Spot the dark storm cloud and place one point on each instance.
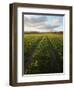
(35, 21)
(40, 19)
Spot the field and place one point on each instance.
(43, 53)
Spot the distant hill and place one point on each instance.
(60, 32)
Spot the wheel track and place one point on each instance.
(54, 52)
(31, 55)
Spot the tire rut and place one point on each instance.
(32, 52)
(54, 62)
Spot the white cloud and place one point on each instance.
(55, 22)
(40, 23)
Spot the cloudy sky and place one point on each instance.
(43, 23)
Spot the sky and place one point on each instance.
(43, 23)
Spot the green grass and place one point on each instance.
(51, 35)
(43, 53)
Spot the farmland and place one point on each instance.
(43, 53)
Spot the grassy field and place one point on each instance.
(43, 53)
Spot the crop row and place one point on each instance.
(30, 44)
(43, 54)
